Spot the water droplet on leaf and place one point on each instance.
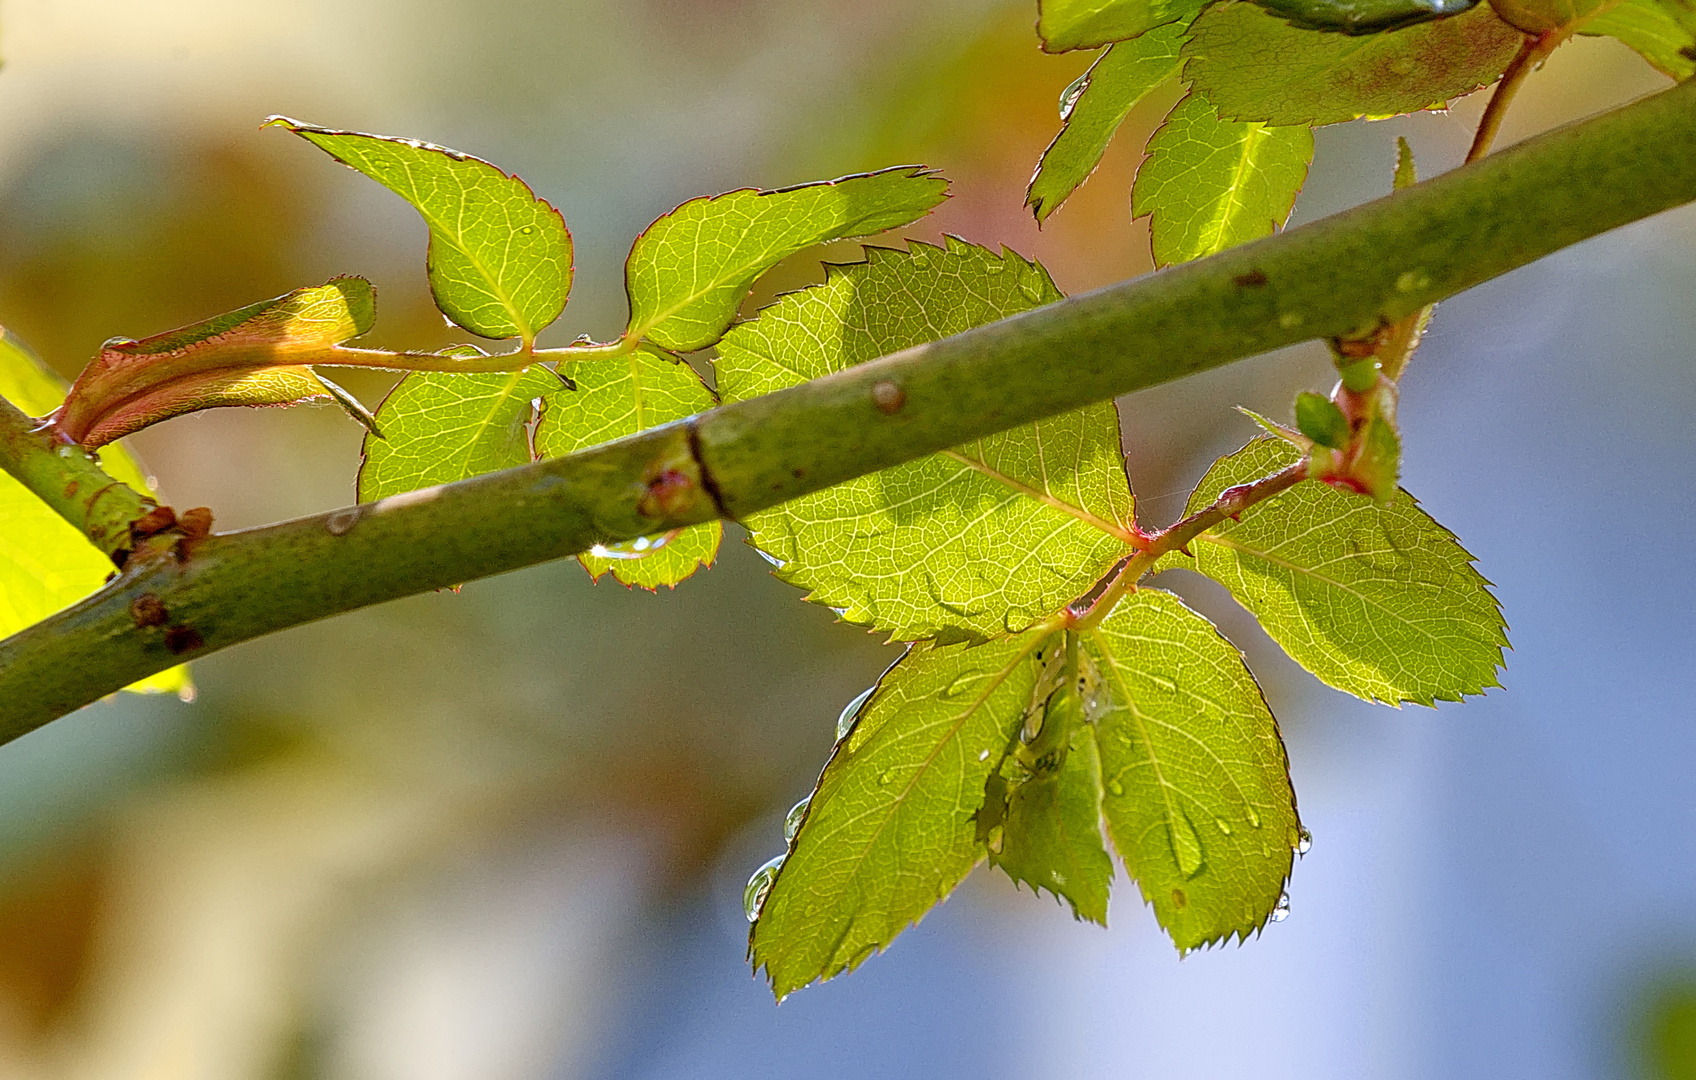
(1224, 826)
(1163, 682)
(1282, 911)
(1304, 843)
(1186, 845)
(754, 895)
(1115, 787)
(845, 722)
(1069, 96)
(792, 820)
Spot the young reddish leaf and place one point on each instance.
(253, 356)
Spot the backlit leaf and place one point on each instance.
(1331, 78)
(618, 396)
(1090, 24)
(500, 258)
(46, 564)
(1662, 31)
(1381, 602)
(1363, 16)
(1209, 184)
(985, 538)
(441, 427)
(1095, 106)
(1197, 789)
(690, 271)
(889, 831)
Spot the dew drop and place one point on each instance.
(1224, 826)
(792, 820)
(754, 895)
(1282, 911)
(528, 229)
(960, 685)
(1305, 843)
(850, 712)
(886, 776)
(1069, 96)
(1115, 787)
(768, 557)
(1163, 682)
(1253, 817)
(1179, 899)
(997, 839)
(1186, 845)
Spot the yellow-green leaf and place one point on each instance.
(889, 831)
(1197, 789)
(1210, 184)
(1089, 24)
(690, 270)
(1378, 601)
(500, 258)
(1093, 108)
(982, 539)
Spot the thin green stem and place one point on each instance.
(1317, 281)
(1230, 504)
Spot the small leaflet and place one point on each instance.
(500, 258)
(1378, 601)
(1197, 795)
(1210, 184)
(690, 270)
(891, 829)
(439, 427)
(1094, 107)
(615, 397)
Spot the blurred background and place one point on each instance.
(503, 834)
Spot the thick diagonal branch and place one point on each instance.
(1324, 280)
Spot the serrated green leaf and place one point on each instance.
(441, 427)
(1663, 32)
(1051, 838)
(1094, 107)
(889, 830)
(615, 397)
(500, 258)
(690, 270)
(1198, 799)
(1331, 78)
(1547, 16)
(1209, 184)
(46, 564)
(1380, 602)
(985, 538)
(1363, 16)
(1064, 25)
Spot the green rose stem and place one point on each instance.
(1331, 278)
